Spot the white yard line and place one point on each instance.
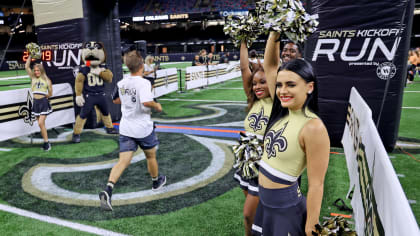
(416, 108)
(197, 100)
(5, 150)
(57, 221)
(411, 91)
(15, 77)
(228, 88)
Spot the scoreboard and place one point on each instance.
(45, 56)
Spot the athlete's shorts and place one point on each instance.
(250, 185)
(41, 107)
(280, 212)
(131, 144)
(94, 99)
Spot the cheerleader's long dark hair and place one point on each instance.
(252, 98)
(306, 72)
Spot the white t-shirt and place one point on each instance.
(136, 121)
(148, 68)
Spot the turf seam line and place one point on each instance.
(53, 220)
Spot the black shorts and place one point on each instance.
(130, 144)
(90, 101)
(41, 107)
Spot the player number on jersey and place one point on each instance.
(94, 80)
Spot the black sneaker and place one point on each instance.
(111, 131)
(157, 184)
(46, 146)
(76, 138)
(105, 201)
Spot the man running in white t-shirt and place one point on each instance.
(136, 127)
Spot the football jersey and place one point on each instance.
(93, 83)
(283, 156)
(257, 119)
(136, 119)
(39, 86)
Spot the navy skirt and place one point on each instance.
(280, 212)
(41, 107)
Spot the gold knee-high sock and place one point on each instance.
(78, 126)
(99, 115)
(107, 121)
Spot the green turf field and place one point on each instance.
(214, 209)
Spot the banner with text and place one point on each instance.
(16, 117)
(166, 81)
(376, 185)
(199, 76)
(368, 52)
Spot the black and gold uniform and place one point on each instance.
(283, 162)
(41, 106)
(94, 92)
(255, 124)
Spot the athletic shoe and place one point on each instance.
(46, 146)
(157, 184)
(111, 131)
(105, 201)
(76, 138)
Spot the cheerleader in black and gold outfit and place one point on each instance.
(295, 139)
(41, 91)
(257, 89)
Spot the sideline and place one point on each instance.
(198, 100)
(57, 221)
(15, 77)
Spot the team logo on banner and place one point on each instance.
(197, 75)
(386, 70)
(26, 110)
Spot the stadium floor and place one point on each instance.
(190, 130)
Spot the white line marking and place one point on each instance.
(417, 108)
(53, 220)
(228, 88)
(411, 91)
(15, 77)
(42, 181)
(5, 150)
(412, 201)
(401, 175)
(401, 144)
(197, 100)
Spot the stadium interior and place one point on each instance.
(165, 28)
(193, 25)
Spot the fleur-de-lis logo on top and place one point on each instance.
(276, 139)
(256, 120)
(26, 110)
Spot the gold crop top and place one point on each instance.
(39, 86)
(283, 156)
(257, 119)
